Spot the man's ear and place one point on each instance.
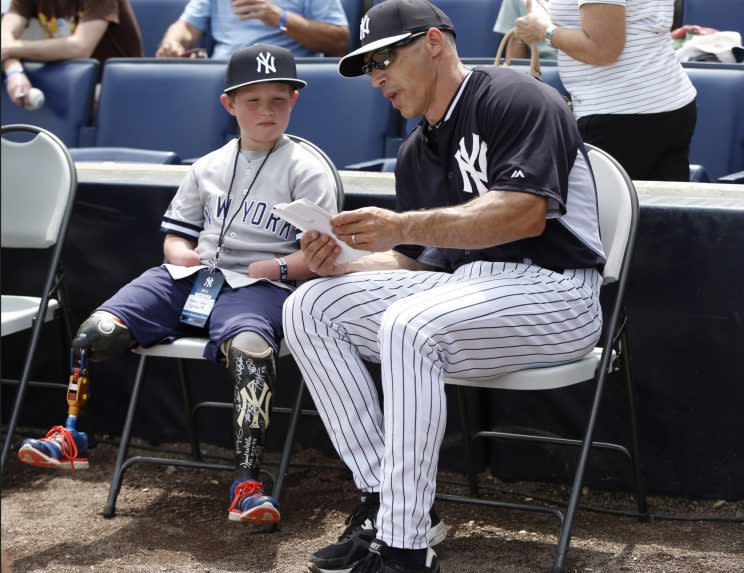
(228, 103)
(435, 40)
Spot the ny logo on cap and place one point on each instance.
(364, 27)
(267, 61)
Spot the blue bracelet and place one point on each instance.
(283, 21)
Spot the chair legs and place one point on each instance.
(467, 442)
(122, 463)
(189, 411)
(23, 385)
(119, 469)
(566, 518)
(635, 451)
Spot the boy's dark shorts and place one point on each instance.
(151, 306)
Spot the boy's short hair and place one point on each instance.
(261, 63)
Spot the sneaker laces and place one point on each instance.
(361, 513)
(62, 438)
(370, 563)
(246, 488)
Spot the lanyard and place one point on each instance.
(224, 229)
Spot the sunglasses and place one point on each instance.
(383, 57)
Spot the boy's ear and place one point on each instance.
(293, 99)
(228, 103)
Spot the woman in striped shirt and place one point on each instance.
(630, 95)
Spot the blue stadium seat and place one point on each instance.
(68, 86)
(353, 9)
(154, 17)
(719, 14)
(718, 141)
(346, 117)
(163, 105)
(473, 20)
(124, 155)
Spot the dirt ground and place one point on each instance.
(175, 520)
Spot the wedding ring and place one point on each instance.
(353, 238)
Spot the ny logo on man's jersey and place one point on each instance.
(467, 163)
(364, 27)
(267, 61)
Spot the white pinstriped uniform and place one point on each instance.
(483, 318)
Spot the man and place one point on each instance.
(491, 264)
(84, 29)
(306, 27)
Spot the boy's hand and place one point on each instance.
(320, 253)
(184, 258)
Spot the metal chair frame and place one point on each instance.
(192, 348)
(612, 356)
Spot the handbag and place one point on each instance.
(505, 51)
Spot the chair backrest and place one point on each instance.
(154, 17)
(68, 87)
(720, 14)
(618, 210)
(322, 156)
(346, 117)
(38, 187)
(163, 105)
(124, 155)
(718, 141)
(353, 9)
(473, 21)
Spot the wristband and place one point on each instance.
(13, 72)
(282, 269)
(283, 21)
(549, 31)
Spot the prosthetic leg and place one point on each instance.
(99, 338)
(252, 366)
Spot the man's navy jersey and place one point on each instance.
(504, 130)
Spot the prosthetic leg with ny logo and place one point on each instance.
(253, 369)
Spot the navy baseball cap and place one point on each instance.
(390, 22)
(261, 63)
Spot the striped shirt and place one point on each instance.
(646, 78)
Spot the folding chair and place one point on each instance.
(618, 219)
(193, 349)
(38, 190)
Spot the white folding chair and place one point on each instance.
(193, 349)
(38, 189)
(618, 218)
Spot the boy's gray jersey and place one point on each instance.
(201, 204)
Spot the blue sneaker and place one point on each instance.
(61, 448)
(250, 505)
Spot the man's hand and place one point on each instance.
(320, 253)
(18, 86)
(170, 49)
(184, 258)
(370, 228)
(264, 10)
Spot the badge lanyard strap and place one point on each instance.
(224, 229)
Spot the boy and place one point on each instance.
(218, 229)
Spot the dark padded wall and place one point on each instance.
(686, 330)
